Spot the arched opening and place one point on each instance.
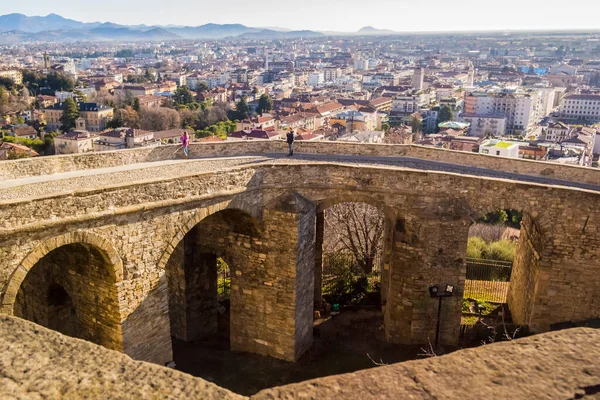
(72, 290)
(205, 284)
(502, 258)
(61, 311)
(352, 249)
(351, 255)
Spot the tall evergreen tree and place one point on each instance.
(242, 109)
(265, 103)
(136, 104)
(446, 114)
(70, 114)
(183, 96)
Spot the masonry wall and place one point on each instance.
(13, 169)
(429, 246)
(525, 272)
(92, 313)
(140, 226)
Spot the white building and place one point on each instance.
(484, 125)
(330, 74)
(316, 79)
(499, 148)
(557, 132)
(522, 109)
(410, 103)
(580, 107)
(62, 95)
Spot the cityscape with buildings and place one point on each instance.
(192, 208)
(370, 87)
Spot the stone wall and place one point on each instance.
(89, 309)
(525, 273)
(557, 365)
(13, 169)
(139, 227)
(429, 247)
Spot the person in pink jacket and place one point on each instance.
(185, 141)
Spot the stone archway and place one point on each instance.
(69, 283)
(363, 202)
(191, 270)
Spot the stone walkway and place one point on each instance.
(67, 182)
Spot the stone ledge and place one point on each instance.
(556, 365)
(38, 363)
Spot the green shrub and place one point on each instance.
(504, 250)
(475, 247)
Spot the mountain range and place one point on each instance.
(15, 28)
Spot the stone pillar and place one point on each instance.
(429, 248)
(319, 233)
(193, 303)
(272, 301)
(525, 273)
(388, 238)
(146, 327)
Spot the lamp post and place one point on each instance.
(435, 292)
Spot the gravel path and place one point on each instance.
(125, 174)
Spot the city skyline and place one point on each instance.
(339, 16)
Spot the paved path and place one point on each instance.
(89, 179)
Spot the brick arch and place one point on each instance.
(101, 243)
(199, 215)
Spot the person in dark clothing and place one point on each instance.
(290, 141)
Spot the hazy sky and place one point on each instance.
(335, 15)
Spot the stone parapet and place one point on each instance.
(14, 169)
(36, 362)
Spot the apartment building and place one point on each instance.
(411, 103)
(522, 109)
(484, 125)
(580, 107)
(95, 116)
(330, 74)
(14, 74)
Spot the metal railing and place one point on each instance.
(487, 280)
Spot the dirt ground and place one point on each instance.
(350, 341)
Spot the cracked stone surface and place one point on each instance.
(37, 363)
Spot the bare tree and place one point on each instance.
(489, 233)
(356, 228)
(103, 96)
(159, 119)
(399, 135)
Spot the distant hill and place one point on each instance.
(211, 31)
(369, 30)
(124, 33)
(15, 28)
(51, 22)
(272, 34)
